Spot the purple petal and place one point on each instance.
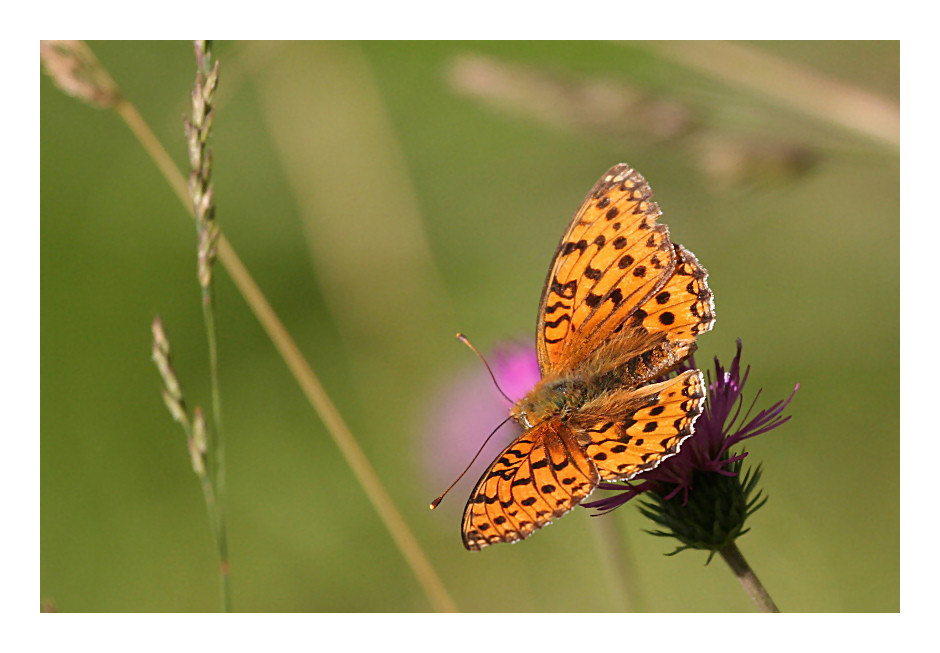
(465, 409)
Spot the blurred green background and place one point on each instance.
(387, 195)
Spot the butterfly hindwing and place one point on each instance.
(684, 306)
(626, 431)
(540, 476)
(611, 260)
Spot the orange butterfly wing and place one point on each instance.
(617, 286)
(631, 431)
(611, 260)
(683, 307)
(542, 475)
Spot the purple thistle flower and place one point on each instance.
(469, 407)
(720, 427)
(516, 367)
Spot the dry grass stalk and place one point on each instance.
(303, 373)
(76, 71)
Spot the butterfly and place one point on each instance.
(621, 308)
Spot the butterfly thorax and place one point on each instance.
(552, 398)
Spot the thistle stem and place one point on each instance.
(748, 578)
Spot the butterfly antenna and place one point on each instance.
(462, 338)
(437, 501)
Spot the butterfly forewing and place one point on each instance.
(611, 260)
(540, 476)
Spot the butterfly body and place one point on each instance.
(607, 370)
(620, 310)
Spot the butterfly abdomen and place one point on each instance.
(615, 366)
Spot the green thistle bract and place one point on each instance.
(715, 512)
(700, 496)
